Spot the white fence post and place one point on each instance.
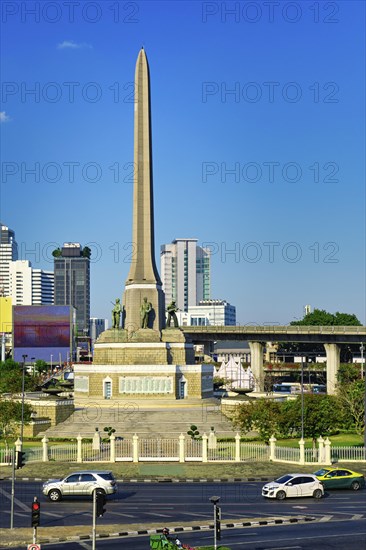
(45, 449)
(18, 445)
(272, 448)
(237, 448)
(79, 457)
(112, 440)
(328, 457)
(181, 447)
(135, 448)
(321, 457)
(204, 447)
(302, 451)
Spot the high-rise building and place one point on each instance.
(20, 282)
(8, 253)
(96, 327)
(28, 286)
(72, 282)
(185, 272)
(42, 287)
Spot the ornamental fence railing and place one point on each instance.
(184, 449)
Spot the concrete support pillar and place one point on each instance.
(79, 458)
(112, 440)
(204, 447)
(333, 361)
(328, 458)
(272, 448)
(256, 364)
(182, 440)
(45, 449)
(237, 448)
(321, 457)
(302, 451)
(135, 448)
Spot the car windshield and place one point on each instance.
(283, 479)
(321, 472)
(108, 476)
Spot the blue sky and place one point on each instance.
(258, 143)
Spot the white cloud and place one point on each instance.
(71, 45)
(4, 117)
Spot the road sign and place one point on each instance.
(34, 546)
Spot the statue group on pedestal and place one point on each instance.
(145, 309)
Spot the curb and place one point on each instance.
(180, 529)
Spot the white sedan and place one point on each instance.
(294, 485)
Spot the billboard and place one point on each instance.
(6, 322)
(43, 332)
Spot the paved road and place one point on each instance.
(175, 502)
(335, 535)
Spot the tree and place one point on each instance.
(261, 415)
(193, 432)
(351, 396)
(86, 252)
(57, 253)
(11, 378)
(321, 416)
(109, 430)
(352, 403)
(10, 416)
(320, 317)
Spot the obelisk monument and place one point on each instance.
(142, 359)
(143, 280)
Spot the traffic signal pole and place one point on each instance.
(12, 488)
(94, 518)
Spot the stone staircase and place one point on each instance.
(148, 418)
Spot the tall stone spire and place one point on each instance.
(143, 279)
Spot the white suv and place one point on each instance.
(294, 485)
(80, 484)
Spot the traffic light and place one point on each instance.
(100, 497)
(20, 459)
(218, 522)
(36, 512)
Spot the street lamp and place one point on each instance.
(302, 397)
(23, 384)
(362, 347)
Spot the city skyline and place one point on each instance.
(258, 147)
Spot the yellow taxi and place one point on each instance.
(340, 478)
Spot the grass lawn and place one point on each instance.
(154, 470)
(339, 440)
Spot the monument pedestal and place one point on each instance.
(142, 365)
(113, 383)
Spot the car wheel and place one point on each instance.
(317, 493)
(281, 495)
(54, 495)
(356, 485)
(99, 491)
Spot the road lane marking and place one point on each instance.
(158, 515)
(16, 500)
(325, 518)
(121, 514)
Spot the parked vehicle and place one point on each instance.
(340, 478)
(80, 484)
(294, 485)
